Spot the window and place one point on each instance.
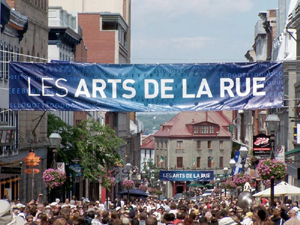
(166, 144)
(198, 144)
(179, 144)
(157, 144)
(221, 162)
(109, 25)
(179, 162)
(209, 161)
(221, 144)
(209, 145)
(198, 162)
(205, 129)
(161, 144)
(196, 130)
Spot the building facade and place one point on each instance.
(193, 141)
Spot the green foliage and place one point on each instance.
(96, 146)
(150, 168)
(153, 121)
(93, 144)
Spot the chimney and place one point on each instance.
(193, 121)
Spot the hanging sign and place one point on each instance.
(186, 175)
(261, 145)
(179, 87)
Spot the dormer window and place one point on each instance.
(198, 129)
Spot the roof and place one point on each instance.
(179, 124)
(148, 142)
(296, 150)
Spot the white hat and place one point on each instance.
(296, 209)
(227, 221)
(53, 204)
(6, 216)
(118, 208)
(65, 205)
(57, 200)
(20, 205)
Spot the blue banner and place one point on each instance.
(186, 175)
(111, 87)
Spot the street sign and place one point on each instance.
(261, 145)
(11, 170)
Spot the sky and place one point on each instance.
(194, 31)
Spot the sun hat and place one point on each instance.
(227, 221)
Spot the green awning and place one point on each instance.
(195, 185)
(296, 150)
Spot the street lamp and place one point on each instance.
(272, 122)
(225, 170)
(243, 153)
(232, 164)
(55, 140)
(128, 167)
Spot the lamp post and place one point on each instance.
(272, 122)
(128, 167)
(232, 165)
(243, 153)
(55, 140)
(225, 170)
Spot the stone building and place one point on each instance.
(193, 141)
(32, 126)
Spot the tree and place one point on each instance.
(150, 169)
(93, 144)
(96, 147)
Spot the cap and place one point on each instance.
(196, 212)
(118, 208)
(248, 214)
(227, 221)
(20, 205)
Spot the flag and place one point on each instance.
(238, 163)
(162, 158)
(212, 161)
(194, 162)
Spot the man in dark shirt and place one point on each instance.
(276, 218)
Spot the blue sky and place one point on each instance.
(194, 31)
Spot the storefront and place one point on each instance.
(178, 180)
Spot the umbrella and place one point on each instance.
(280, 189)
(134, 192)
(208, 185)
(195, 185)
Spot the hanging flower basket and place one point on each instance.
(271, 169)
(54, 178)
(158, 192)
(128, 184)
(229, 184)
(217, 190)
(240, 179)
(143, 188)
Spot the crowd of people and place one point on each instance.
(149, 211)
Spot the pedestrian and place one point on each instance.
(293, 220)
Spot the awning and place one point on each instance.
(294, 151)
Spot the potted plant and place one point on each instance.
(240, 179)
(143, 188)
(54, 178)
(271, 169)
